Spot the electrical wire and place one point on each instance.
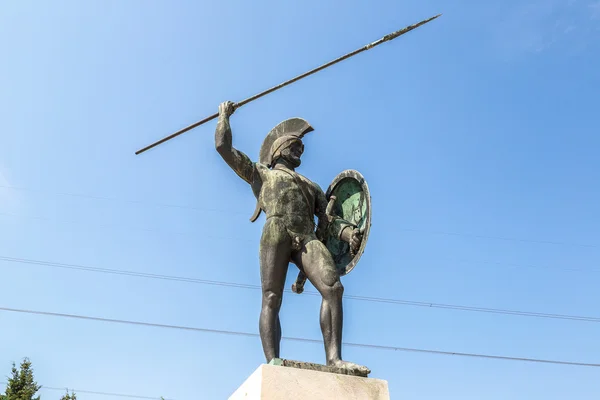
(87, 196)
(308, 292)
(133, 228)
(297, 339)
(498, 238)
(238, 239)
(479, 236)
(77, 391)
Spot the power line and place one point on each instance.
(297, 339)
(77, 391)
(498, 238)
(312, 293)
(134, 228)
(510, 264)
(165, 205)
(230, 238)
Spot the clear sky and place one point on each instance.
(477, 133)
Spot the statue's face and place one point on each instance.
(293, 153)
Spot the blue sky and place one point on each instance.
(477, 134)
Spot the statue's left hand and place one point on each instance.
(355, 241)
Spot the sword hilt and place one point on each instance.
(298, 286)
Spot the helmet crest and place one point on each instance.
(290, 128)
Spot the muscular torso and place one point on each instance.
(276, 190)
(280, 195)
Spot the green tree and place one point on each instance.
(21, 385)
(68, 396)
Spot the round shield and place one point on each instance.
(352, 204)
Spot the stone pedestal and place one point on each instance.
(274, 382)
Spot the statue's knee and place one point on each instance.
(335, 291)
(330, 278)
(271, 300)
(338, 289)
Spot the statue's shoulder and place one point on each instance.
(262, 169)
(310, 183)
(261, 165)
(316, 186)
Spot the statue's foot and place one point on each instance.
(351, 367)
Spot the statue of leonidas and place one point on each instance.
(323, 252)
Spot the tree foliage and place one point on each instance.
(21, 384)
(68, 396)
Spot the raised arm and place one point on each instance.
(238, 161)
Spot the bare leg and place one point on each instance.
(319, 267)
(324, 277)
(275, 249)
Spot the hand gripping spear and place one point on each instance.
(386, 38)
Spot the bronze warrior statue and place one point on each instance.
(322, 253)
(290, 202)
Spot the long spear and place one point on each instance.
(386, 38)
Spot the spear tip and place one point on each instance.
(434, 17)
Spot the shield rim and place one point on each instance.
(352, 173)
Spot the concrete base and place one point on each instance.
(270, 382)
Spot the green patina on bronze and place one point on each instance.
(352, 204)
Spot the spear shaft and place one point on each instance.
(384, 39)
